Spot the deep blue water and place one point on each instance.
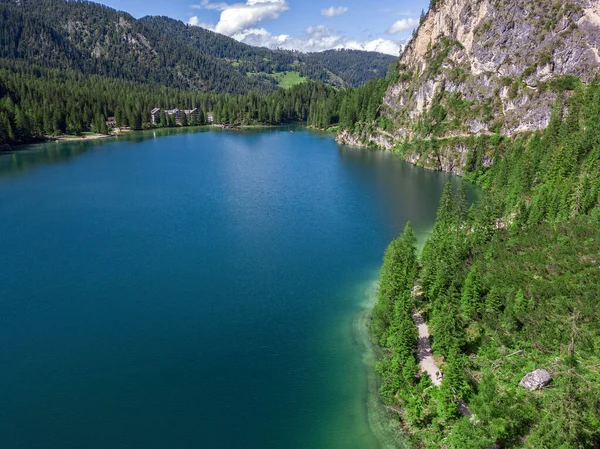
(194, 289)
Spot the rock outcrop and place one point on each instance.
(536, 380)
(478, 67)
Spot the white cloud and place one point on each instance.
(205, 4)
(315, 38)
(403, 25)
(195, 21)
(334, 11)
(240, 17)
(259, 37)
(240, 21)
(320, 38)
(382, 46)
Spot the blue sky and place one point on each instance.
(306, 25)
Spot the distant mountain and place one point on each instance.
(94, 39)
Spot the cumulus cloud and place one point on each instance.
(195, 21)
(314, 39)
(241, 17)
(382, 46)
(240, 20)
(259, 37)
(205, 4)
(403, 25)
(334, 11)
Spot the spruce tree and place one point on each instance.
(471, 294)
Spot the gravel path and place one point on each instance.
(427, 362)
(424, 354)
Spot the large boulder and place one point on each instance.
(536, 380)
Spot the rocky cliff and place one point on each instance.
(485, 67)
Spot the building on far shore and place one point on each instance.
(111, 122)
(191, 113)
(155, 115)
(175, 113)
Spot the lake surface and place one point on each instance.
(179, 290)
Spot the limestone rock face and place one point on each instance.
(379, 139)
(476, 48)
(536, 380)
(489, 66)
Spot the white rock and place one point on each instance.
(536, 380)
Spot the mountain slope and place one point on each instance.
(486, 67)
(94, 39)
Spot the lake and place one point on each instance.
(204, 289)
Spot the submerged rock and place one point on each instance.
(536, 380)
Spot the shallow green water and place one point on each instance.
(195, 289)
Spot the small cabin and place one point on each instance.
(155, 115)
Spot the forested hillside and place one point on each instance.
(93, 39)
(508, 286)
(46, 102)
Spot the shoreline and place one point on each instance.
(83, 138)
(384, 425)
(11, 148)
(388, 429)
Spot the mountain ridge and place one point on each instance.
(95, 39)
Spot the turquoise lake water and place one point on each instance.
(195, 290)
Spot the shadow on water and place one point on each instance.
(405, 200)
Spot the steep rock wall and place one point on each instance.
(487, 66)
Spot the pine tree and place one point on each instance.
(396, 280)
(446, 214)
(471, 294)
(455, 374)
(21, 124)
(278, 115)
(493, 302)
(447, 328)
(520, 303)
(136, 120)
(462, 204)
(447, 404)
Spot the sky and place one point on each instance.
(305, 25)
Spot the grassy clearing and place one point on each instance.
(285, 80)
